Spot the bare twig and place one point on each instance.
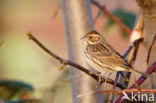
(134, 44)
(116, 79)
(97, 16)
(136, 34)
(138, 29)
(120, 91)
(56, 11)
(150, 70)
(111, 95)
(1, 43)
(149, 51)
(107, 13)
(129, 91)
(77, 66)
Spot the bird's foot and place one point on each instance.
(99, 80)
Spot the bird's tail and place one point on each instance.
(142, 73)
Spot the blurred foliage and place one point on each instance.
(25, 101)
(1, 100)
(61, 91)
(11, 89)
(126, 17)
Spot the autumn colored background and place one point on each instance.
(21, 59)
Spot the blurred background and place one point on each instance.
(22, 60)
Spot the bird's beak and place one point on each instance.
(83, 38)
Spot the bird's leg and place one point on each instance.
(126, 79)
(108, 74)
(99, 81)
(106, 78)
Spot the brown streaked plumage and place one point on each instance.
(102, 56)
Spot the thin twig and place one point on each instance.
(56, 11)
(77, 66)
(116, 79)
(124, 56)
(134, 44)
(1, 43)
(149, 51)
(149, 71)
(136, 34)
(114, 18)
(111, 95)
(97, 16)
(120, 91)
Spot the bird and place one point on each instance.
(102, 57)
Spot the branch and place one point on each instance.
(138, 29)
(120, 91)
(125, 77)
(136, 34)
(134, 44)
(77, 66)
(56, 11)
(97, 16)
(149, 51)
(135, 37)
(149, 71)
(83, 69)
(128, 91)
(1, 43)
(107, 13)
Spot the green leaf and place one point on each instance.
(126, 17)
(9, 88)
(26, 101)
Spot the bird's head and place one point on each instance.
(92, 37)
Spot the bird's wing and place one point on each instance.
(100, 50)
(116, 61)
(108, 55)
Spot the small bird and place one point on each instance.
(102, 57)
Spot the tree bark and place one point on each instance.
(78, 21)
(148, 10)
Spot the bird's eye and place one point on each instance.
(91, 37)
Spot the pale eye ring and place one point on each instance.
(91, 37)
